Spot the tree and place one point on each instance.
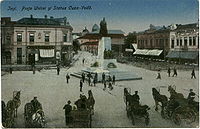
(130, 38)
(76, 45)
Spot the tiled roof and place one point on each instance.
(186, 26)
(38, 21)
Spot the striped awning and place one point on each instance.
(154, 52)
(183, 54)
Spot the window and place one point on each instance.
(194, 41)
(180, 42)
(185, 41)
(190, 41)
(172, 45)
(19, 37)
(8, 39)
(31, 37)
(65, 38)
(177, 42)
(46, 37)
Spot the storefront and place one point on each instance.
(41, 55)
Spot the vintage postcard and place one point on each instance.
(100, 64)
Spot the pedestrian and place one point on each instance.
(175, 72)
(83, 61)
(58, 70)
(81, 85)
(94, 81)
(104, 85)
(83, 77)
(89, 81)
(159, 76)
(169, 71)
(113, 80)
(68, 109)
(103, 77)
(33, 67)
(10, 70)
(96, 77)
(67, 78)
(109, 78)
(193, 74)
(110, 86)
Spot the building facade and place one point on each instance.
(36, 41)
(184, 43)
(154, 38)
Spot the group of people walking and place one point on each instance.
(174, 73)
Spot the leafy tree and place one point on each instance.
(130, 38)
(76, 45)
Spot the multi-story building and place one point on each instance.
(153, 42)
(36, 40)
(184, 43)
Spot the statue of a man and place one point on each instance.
(103, 27)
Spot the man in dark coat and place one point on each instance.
(136, 98)
(193, 74)
(81, 85)
(169, 71)
(67, 78)
(191, 96)
(83, 77)
(103, 77)
(58, 70)
(68, 109)
(113, 80)
(89, 78)
(36, 104)
(175, 72)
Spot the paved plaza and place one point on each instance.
(53, 92)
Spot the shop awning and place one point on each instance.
(183, 54)
(46, 52)
(140, 52)
(154, 52)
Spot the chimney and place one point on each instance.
(31, 16)
(45, 16)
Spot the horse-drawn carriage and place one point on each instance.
(177, 108)
(134, 109)
(34, 116)
(82, 116)
(9, 110)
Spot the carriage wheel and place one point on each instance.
(190, 116)
(176, 118)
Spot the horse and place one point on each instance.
(174, 94)
(90, 100)
(159, 98)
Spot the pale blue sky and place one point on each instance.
(127, 15)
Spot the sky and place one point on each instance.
(127, 15)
